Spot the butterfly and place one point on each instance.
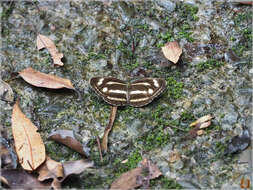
(120, 93)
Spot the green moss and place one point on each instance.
(183, 24)
(60, 152)
(131, 66)
(174, 88)
(132, 162)
(187, 116)
(154, 139)
(217, 128)
(164, 38)
(128, 54)
(244, 26)
(243, 16)
(95, 56)
(188, 10)
(220, 149)
(209, 64)
(125, 49)
(165, 183)
(247, 33)
(143, 26)
(239, 49)
(8, 7)
(129, 113)
(184, 34)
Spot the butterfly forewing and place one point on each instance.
(143, 91)
(112, 90)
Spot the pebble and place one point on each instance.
(6, 92)
(167, 4)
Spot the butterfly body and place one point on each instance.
(119, 93)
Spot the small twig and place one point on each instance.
(172, 126)
(99, 149)
(108, 128)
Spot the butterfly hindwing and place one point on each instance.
(143, 91)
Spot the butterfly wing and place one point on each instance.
(112, 90)
(143, 91)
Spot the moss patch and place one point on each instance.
(209, 64)
(60, 152)
(132, 162)
(241, 21)
(174, 88)
(165, 183)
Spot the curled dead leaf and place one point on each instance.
(50, 169)
(39, 79)
(205, 125)
(28, 143)
(200, 124)
(45, 42)
(200, 132)
(201, 120)
(127, 180)
(58, 172)
(67, 138)
(76, 167)
(172, 51)
(20, 179)
(134, 178)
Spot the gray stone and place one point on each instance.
(167, 4)
(6, 92)
(230, 114)
(178, 165)
(245, 156)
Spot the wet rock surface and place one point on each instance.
(124, 39)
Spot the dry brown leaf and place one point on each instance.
(201, 120)
(39, 79)
(104, 143)
(45, 42)
(172, 51)
(76, 167)
(154, 171)
(200, 124)
(205, 125)
(56, 184)
(129, 180)
(50, 169)
(20, 179)
(59, 171)
(28, 143)
(67, 138)
(200, 132)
